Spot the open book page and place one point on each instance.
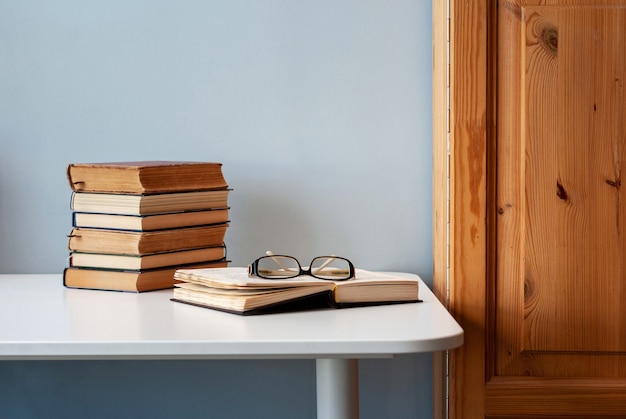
(364, 277)
(235, 277)
(374, 287)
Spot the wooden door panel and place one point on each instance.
(560, 275)
(572, 178)
(560, 278)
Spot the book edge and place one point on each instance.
(316, 301)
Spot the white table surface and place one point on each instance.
(41, 319)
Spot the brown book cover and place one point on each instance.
(131, 281)
(145, 177)
(139, 262)
(150, 222)
(128, 204)
(145, 242)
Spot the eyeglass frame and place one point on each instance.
(254, 266)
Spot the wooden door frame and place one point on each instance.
(463, 130)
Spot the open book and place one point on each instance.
(232, 290)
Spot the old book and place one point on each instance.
(150, 222)
(233, 290)
(139, 262)
(145, 177)
(132, 280)
(125, 204)
(95, 240)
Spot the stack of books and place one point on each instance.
(135, 223)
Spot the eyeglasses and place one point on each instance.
(283, 267)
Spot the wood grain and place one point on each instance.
(469, 124)
(560, 276)
(537, 148)
(440, 190)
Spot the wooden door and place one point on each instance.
(536, 218)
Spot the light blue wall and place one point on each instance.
(321, 113)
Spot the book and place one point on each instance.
(234, 291)
(150, 222)
(126, 204)
(131, 280)
(93, 240)
(145, 177)
(150, 261)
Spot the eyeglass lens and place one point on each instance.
(278, 267)
(330, 268)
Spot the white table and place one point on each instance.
(41, 319)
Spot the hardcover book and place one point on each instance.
(131, 280)
(109, 203)
(150, 261)
(150, 222)
(93, 240)
(233, 290)
(145, 177)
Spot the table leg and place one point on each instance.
(337, 388)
